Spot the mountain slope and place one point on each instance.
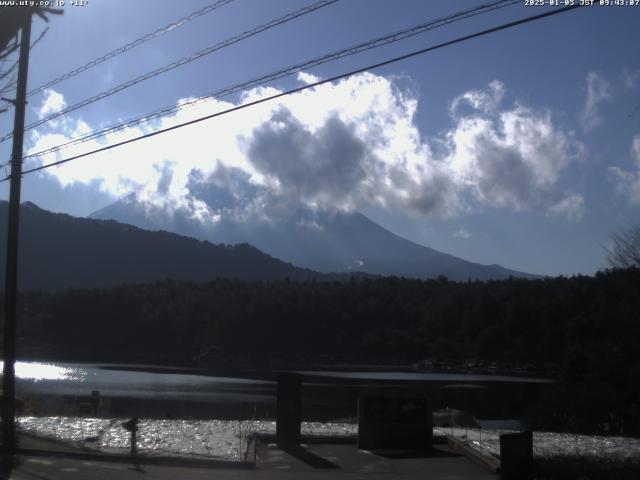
(59, 251)
(323, 242)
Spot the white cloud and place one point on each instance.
(598, 92)
(511, 158)
(571, 207)
(628, 181)
(337, 146)
(462, 234)
(53, 102)
(486, 101)
(307, 78)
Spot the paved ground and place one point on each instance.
(317, 461)
(39, 468)
(331, 461)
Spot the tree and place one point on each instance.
(624, 251)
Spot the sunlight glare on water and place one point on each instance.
(45, 371)
(211, 438)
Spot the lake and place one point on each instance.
(173, 383)
(165, 392)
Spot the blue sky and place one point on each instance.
(516, 148)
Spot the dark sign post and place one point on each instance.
(95, 402)
(132, 426)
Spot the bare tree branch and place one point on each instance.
(8, 71)
(10, 84)
(9, 49)
(44, 32)
(625, 249)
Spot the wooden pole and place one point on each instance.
(11, 277)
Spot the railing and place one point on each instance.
(549, 444)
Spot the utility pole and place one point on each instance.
(11, 278)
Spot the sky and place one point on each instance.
(520, 148)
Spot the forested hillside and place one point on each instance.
(58, 251)
(588, 327)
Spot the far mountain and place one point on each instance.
(325, 242)
(59, 251)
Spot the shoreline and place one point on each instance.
(267, 366)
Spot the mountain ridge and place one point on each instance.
(60, 251)
(323, 242)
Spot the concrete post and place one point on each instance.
(516, 456)
(392, 422)
(289, 408)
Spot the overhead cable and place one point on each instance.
(178, 63)
(243, 106)
(291, 70)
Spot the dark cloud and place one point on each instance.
(438, 193)
(227, 188)
(326, 166)
(504, 177)
(166, 176)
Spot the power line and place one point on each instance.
(130, 45)
(311, 85)
(117, 51)
(183, 61)
(352, 50)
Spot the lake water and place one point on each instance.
(34, 378)
(459, 378)
(163, 392)
(165, 383)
